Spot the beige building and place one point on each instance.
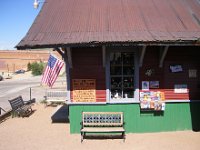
(12, 60)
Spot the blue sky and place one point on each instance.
(16, 17)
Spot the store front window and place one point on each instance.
(122, 75)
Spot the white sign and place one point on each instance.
(154, 84)
(145, 85)
(176, 68)
(180, 88)
(192, 73)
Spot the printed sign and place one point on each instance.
(176, 68)
(192, 73)
(154, 84)
(152, 100)
(84, 90)
(145, 85)
(180, 88)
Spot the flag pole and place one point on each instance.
(50, 53)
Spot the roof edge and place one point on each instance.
(91, 44)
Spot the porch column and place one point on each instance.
(163, 53)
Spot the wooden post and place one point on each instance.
(104, 55)
(163, 53)
(142, 55)
(69, 57)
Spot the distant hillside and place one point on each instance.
(12, 60)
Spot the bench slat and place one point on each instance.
(102, 122)
(102, 118)
(19, 107)
(56, 96)
(103, 129)
(16, 103)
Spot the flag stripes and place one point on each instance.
(52, 70)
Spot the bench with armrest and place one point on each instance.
(20, 107)
(102, 122)
(56, 97)
(2, 109)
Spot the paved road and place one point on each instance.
(12, 88)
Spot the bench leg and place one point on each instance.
(82, 135)
(14, 114)
(123, 136)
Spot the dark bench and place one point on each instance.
(20, 107)
(102, 122)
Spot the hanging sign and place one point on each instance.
(154, 84)
(145, 85)
(176, 68)
(180, 88)
(152, 100)
(84, 90)
(192, 73)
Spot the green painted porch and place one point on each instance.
(176, 117)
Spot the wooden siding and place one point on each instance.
(188, 58)
(87, 64)
(176, 117)
(185, 56)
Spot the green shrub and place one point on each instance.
(37, 68)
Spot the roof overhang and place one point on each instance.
(76, 23)
(95, 44)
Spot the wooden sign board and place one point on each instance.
(84, 90)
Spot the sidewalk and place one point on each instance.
(38, 132)
(23, 84)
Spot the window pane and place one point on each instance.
(128, 87)
(116, 87)
(128, 82)
(116, 70)
(128, 59)
(122, 75)
(115, 59)
(128, 70)
(128, 93)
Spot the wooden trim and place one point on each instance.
(69, 57)
(136, 76)
(107, 76)
(59, 51)
(109, 113)
(163, 53)
(142, 55)
(86, 103)
(132, 102)
(104, 55)
(67, 68)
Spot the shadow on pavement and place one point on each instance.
(61, 114)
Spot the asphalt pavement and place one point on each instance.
(28, 88)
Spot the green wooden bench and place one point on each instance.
(102, 122)
(19, 107)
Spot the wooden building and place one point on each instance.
(140, 57)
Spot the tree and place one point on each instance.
(37, 68)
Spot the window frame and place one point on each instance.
(135, 99)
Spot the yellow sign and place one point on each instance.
(84, 90)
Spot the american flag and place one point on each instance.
(52, 70)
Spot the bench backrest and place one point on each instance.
(102, 118)
(56, 94)
(16, 102)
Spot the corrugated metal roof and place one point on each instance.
(74, 22)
